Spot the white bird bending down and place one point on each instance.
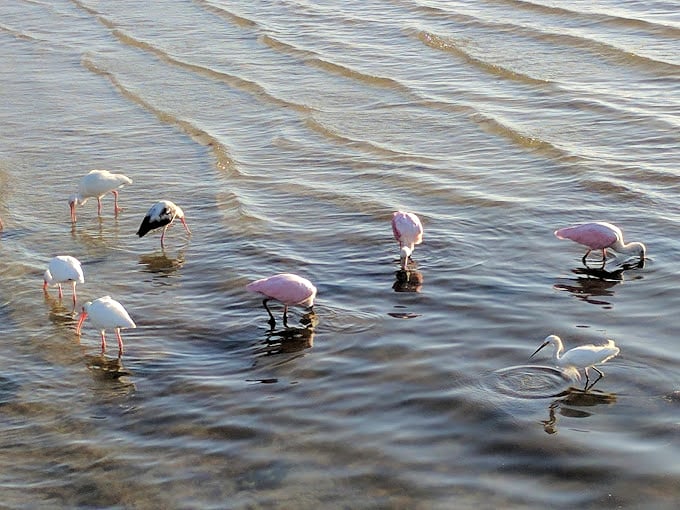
(96, 184)
(408, 231)
(63, 269)
(581, 357)
(162, 214)
(106, 313)
(289, 289)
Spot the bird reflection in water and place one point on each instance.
(592, 283)
(59, 314)
(568, 406)
(105, 367)
(160, 264)
(290, 339)
(408, 281)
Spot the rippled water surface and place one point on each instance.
(289, 132)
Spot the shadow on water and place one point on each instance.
(596, 282)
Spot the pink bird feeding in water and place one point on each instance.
(408, 231)
(96, 184)
(106, 313)
(162, 214)
(63, 269)
(600, 236)
(289, 289)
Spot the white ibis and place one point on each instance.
(63, 269)
(600, 236)
(162, 214)
(106, 313)
(581, 357)
(96, 184)
(408, 231)
(289, 289)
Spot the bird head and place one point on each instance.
(83, 316)
(47, 278)
(551, 339)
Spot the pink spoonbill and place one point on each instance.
(96, 184)
(581, 357)
(63, 269)
(289, 289)
(600, 236)
(408, 231)
(162, 214)
(106, 313)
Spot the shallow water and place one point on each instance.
(289, 132)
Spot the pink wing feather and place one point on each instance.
(288, 288)
(595, 236)
(407, 228)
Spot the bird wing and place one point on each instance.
(593, 235)
(158, 216)
(407, 228)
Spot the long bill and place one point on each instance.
(81, 319)
(541, 347)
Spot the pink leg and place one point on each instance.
(61, 292)
(120, 342)
(103, 341)
(99, 206)
(116, 209)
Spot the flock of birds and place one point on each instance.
(290, 289)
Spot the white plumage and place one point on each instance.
(581, 357)
(63, 269)
(106, 313)
(96, 184)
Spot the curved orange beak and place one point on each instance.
(81, 319)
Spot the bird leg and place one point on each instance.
(285, 316)
(103, 341)
(61, 292)
(163, 235)
(600, 376)
(99, 206)
(584, 258)
(120, 342)
(73, 283)
(272, 320)
(116, 209)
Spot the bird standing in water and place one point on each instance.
(96, 184)
(581, 357)
(63, 269)
(289, 289)
(408, 231)
(600, 236)
(106, 313)
(162, 214)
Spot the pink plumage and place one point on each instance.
(600, 236)
(290, 289)
(408, 231)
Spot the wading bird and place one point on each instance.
(63, 269)
(600, 236)
(289, 289)
(581, 357)
(162, 214)
(106, 313)
(408, 231)
(96, 184)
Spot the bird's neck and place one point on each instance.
(626, 248)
